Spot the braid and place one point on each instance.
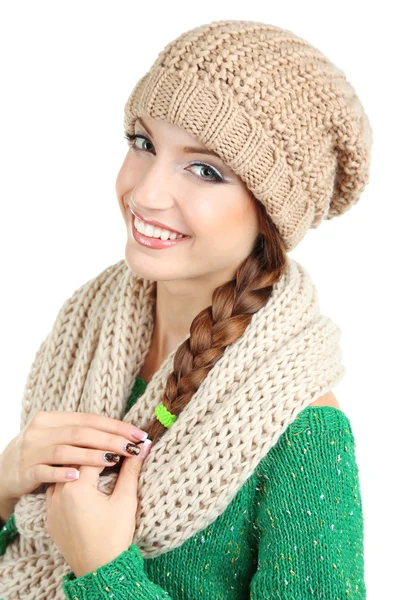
(225, 321)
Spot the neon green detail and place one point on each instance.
(164, 416)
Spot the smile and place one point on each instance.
(165, 239)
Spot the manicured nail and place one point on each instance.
(111, 457)
(145, 448)
(139, 434)
(133, 449)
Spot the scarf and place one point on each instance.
(288, 356)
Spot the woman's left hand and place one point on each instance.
(91, 528)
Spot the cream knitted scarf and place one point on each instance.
(288, 356)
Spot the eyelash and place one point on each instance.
(132, 137)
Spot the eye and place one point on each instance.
(132, 138)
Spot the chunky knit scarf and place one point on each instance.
(288, 356)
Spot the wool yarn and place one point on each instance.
(281, 115)
(288, 356)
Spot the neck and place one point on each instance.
(174, 315)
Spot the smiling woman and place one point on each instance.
(160, 186)
(213, 343)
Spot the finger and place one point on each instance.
(101, 422)
(90, 475)
(127, 481)
(49, 496)
(60, 484)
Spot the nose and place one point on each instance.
(150, 198)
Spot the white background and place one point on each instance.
(66, 71)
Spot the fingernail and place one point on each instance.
(139, 434)
(145, 449)
(133, 449)
(111, 457)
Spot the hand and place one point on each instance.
(54, 438)
(91, 528)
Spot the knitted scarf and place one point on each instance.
(288, 356)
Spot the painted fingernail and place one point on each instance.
(139, 434)
(133, 449)
(146, 447)
(110, 457)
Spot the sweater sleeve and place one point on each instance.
(124, 578)
(309, 518)
(8, 532)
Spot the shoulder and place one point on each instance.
(319, 434)
(328, 399)
(328, 417)
(317, 430)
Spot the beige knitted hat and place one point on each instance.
(274, 108)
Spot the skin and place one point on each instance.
(328, 399)
(81, 520)
(156, 181)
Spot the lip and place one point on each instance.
(157, 223)
(154, 243)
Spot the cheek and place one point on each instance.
(206, 210)
(122, 180)
(124, 184)
(224, 227)
(222, 215)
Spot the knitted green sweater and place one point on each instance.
(293, 531)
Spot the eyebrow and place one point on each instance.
(186, 149)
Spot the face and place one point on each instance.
(193, 193)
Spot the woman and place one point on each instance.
(208, 339)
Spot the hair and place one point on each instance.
(225, 321)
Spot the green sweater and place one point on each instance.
(293, 531)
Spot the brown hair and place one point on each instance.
(222, 323)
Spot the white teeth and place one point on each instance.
(156, 232)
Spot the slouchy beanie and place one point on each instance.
(281, 115)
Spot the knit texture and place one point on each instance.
(288, 356)
(294, 530)
(274, 108)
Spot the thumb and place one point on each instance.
(130, 470)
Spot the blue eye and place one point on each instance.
(133, 137)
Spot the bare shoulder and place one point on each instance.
(328, 399)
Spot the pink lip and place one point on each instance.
(156, 223)
(154, 243)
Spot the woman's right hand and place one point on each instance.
(54, 438)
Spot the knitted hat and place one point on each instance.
(274, 108)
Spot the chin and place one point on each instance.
(147, 267)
